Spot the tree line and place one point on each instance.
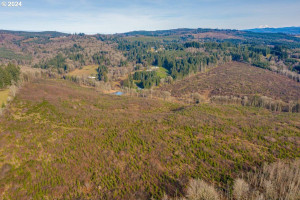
(9, 74)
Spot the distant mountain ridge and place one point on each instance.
(178, 31)
(253, 36)
(34, 33)
(236, 36)
(287, 30)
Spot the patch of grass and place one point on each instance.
(162, 72)
(3, 96)
(86, 70)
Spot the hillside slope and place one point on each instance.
(61, 141)
(237, 79)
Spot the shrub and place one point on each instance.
(13, 90)
(273, 181)
(198, 98)
(264, 65)
(277, 180)
(240, 189)
(166, 95)
(199, 190)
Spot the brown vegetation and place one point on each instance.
(273, 181)
(62, 141)
(38, 52)
(237, 80)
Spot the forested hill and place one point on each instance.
(286, 30)
(178, 31)
(236, 36)
(34, 34)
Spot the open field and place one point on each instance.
(3, 96)
(237, 79)
(86, 70)
(61, 141)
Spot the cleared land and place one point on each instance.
(237, 79)
(61, 141)
(86, 70)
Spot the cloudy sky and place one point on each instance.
(116, 16)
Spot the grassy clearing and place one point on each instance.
(86, 70)
(162, 72)
(3, 96)
(61, 141)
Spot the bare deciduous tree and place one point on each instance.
(13, 90)
(240, 189)
(199, 190)
(166, 95)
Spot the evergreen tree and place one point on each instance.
(102, 73)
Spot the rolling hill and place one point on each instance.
(237, 79)
(201, 34)
(34, 34)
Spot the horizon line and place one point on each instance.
(94, 33)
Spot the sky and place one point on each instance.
(118, 16)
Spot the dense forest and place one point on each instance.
(58, 62)
(148, 79)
